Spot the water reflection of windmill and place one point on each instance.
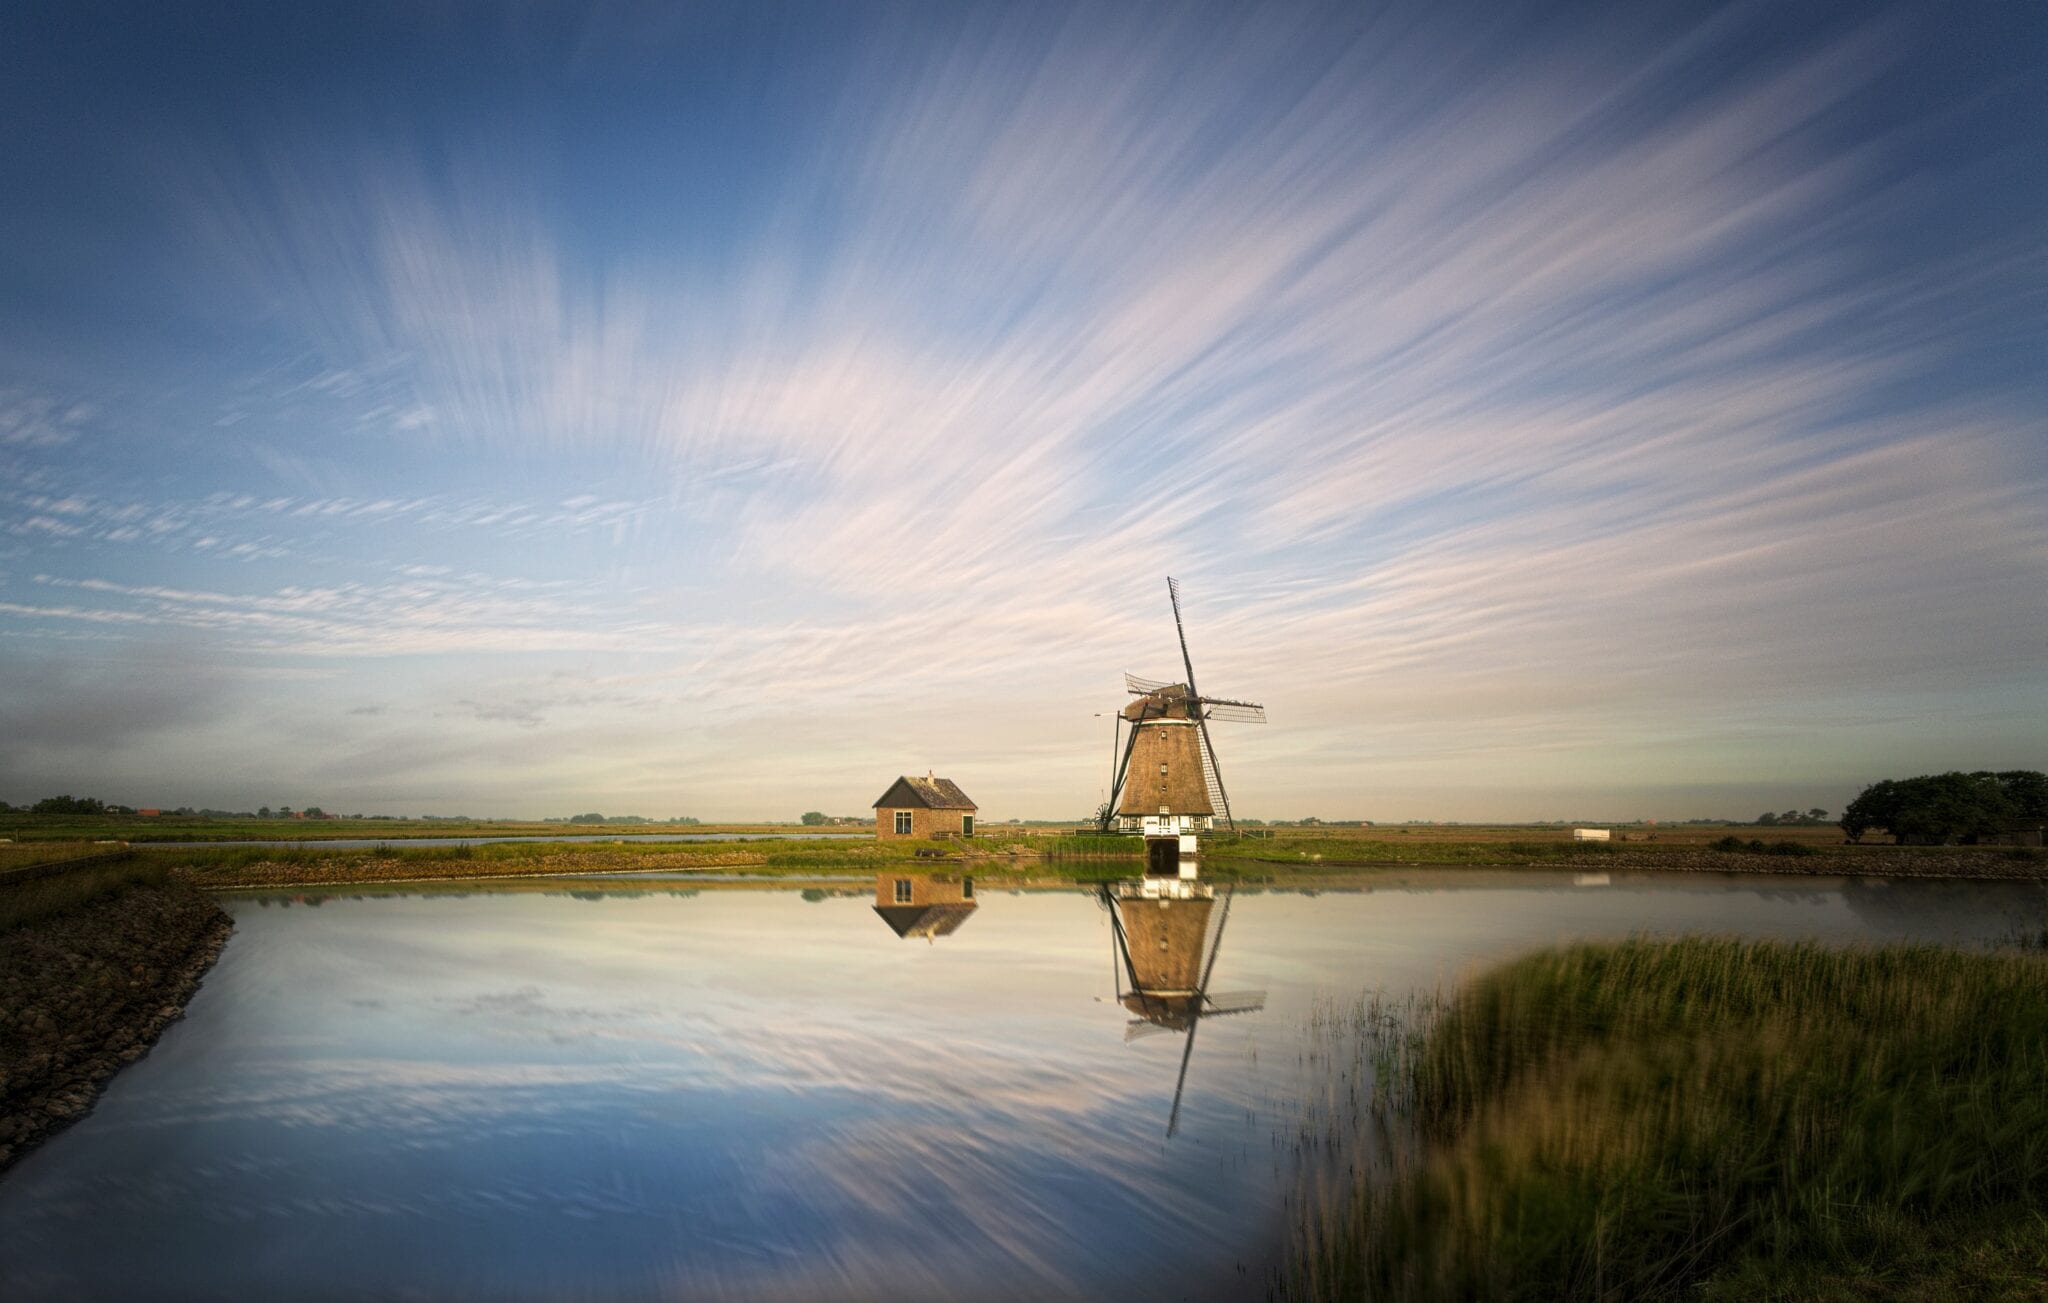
(1167, 784)
(1164, 952)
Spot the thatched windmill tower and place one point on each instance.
(1167, 783)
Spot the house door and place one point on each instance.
(1162, 857)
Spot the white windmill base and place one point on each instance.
(1173, 846)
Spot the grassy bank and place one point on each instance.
(1040, 857)
(1724, 854)
(15, 855)
(1710, 1118)
(27, 902)
(272, 866)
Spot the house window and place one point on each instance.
(903, 891)
(967, 889)
(966, 825)
(903, 823)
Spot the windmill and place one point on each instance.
(1157, 944)
(1167, 782)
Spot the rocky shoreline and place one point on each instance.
(87, 992)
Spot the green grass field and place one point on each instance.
(173, 827)
(14, 855)
(28, 902)
(1273, 855)
(1701, 1119)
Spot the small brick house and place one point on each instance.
(927, 807)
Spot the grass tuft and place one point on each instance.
(29, 902)
(1649, 1118)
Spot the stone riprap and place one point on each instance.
(86, 992)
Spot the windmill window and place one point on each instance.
(903, 823)
(903, 891)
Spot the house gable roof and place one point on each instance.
(925, 920)
(931, 793)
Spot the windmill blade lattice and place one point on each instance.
(1229, 1002)
(1235, 712)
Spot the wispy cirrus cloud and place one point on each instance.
(1513, 395)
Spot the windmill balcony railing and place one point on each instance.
(1165, 825)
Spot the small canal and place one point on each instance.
(455, 1093)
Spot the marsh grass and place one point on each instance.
(15, 855)
(28, 902)
(1089, 846)
(1284, 848)
(1699, 1116)
(311, 863)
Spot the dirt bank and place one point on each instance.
(86, 992)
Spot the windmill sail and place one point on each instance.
(1237, 712)
(1217, 798)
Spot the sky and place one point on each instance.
(1552, 411)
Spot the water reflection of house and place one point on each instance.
(927, 905)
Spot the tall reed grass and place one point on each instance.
(39, 898)
(1702, 1117)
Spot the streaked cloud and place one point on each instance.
(1545, 408)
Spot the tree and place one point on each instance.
(263, 813)
(1816, 815)
(812, 818)
(1767, 818)
(1940, 809)
(68, 804)
(2027, 790)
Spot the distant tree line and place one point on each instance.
(69, 805)
(1793, 818)
(93, 806)
(1948, 809)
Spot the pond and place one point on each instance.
(762, 1094)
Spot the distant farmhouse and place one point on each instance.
(924, 905)
(925, 807)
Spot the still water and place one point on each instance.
(765, 1094)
